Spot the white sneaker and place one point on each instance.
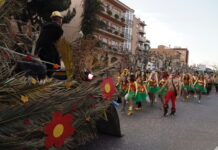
(199, 101)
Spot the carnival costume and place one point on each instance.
(123, 88)
(152, 86)
(164, 90)
(132, 91)
(200, 86)
(141, 94)
(171, 95)
(186, 85)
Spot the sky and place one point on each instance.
(191, 24)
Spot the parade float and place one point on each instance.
(52, 113)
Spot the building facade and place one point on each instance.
(121, 34)
(72, 30)
(140, 45)
(115, 20)
(165, 57)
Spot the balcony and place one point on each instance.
(111, 31)
(147, 42)
(113, 16)
(141, 39)
(142, 23)
(112, 48)
(141, 31)
(140, 47)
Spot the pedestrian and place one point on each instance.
(46, 44)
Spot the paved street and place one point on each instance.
(195, 127)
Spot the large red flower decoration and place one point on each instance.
(108, 88)
(58, 129)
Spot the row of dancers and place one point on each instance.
(134, 88)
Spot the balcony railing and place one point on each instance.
(141, 47)
(129, 22)
(113, 48)
(141, 31)
(142, 23)
(111, 30)
(113, 14)
(141, 39)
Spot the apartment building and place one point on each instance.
(119, 31)
(178, 55)
(139, 39)
(116, 22)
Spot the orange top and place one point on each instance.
(186, 81)
(152, 83)
(132, 86)
(141, 88)
(200, 82)
(123, 86)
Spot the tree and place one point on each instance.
(44, 8)
(39, 11)
(90, 20)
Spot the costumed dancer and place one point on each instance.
(141, 94)
(200, 86)
(153, 87)
(186, 86)
(132, 91)
(163, 89)
(145, 82)
(177, 81)
(209, 84)
(118, 80)
(123, 91)
(216, 82)
(194, 80)
(171, 95)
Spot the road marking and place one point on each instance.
(216, 148)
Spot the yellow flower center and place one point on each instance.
(107, 88)
(58, 130)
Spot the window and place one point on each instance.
(129, 17)
(127, 45)
(128, 33)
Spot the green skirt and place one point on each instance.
(188, 87)
(123, 92)
(118, 87)
(140, 97)
(164, 91)
(153, 90)
(202, 89)
(131, 95)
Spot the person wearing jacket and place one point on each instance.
(46, 44)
